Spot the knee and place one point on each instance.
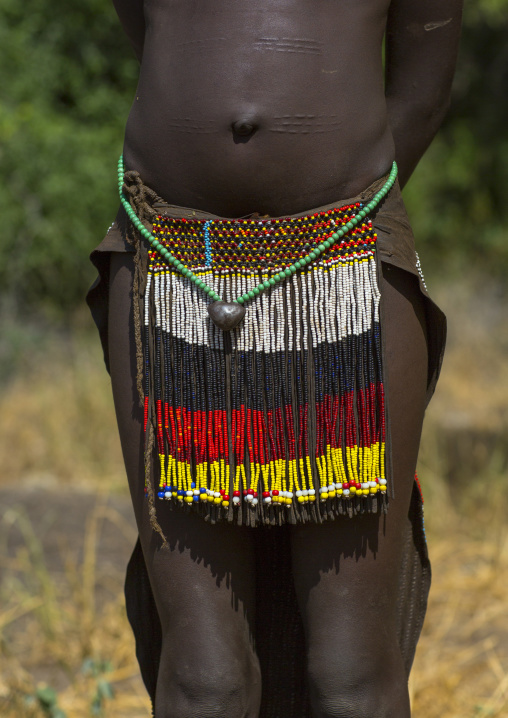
(338, 692)
(232, 689)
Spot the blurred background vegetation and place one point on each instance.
(67, 80)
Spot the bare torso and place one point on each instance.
(275, 106)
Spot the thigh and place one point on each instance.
(346, 571)
(203, 583)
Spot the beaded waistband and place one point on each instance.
(265, 245)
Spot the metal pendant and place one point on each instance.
(226, 315)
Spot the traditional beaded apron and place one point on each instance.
(263, 375)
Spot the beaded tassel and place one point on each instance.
(286, 411)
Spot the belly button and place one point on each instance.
(243, 128)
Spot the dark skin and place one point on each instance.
(278, 107)
(231, 101)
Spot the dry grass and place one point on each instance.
(57, 413)
(461, 668)
(55, 631)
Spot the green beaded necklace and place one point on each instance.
(228, 315)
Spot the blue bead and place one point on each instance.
(181, 492)
(193, 485)
(195, 498)
(202, 490)
(160, 494)
(208, 245)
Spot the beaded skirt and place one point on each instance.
(281, 419)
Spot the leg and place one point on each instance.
(346, 572)
(204, 583)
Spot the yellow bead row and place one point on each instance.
(364, 464)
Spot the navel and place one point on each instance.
(244, 128)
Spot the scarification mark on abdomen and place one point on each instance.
(305, 124)
(289, 44)
(186, 124)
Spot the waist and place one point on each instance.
(246, 160)
(163, 207)
(395, 238)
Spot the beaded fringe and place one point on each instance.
(282, 419)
